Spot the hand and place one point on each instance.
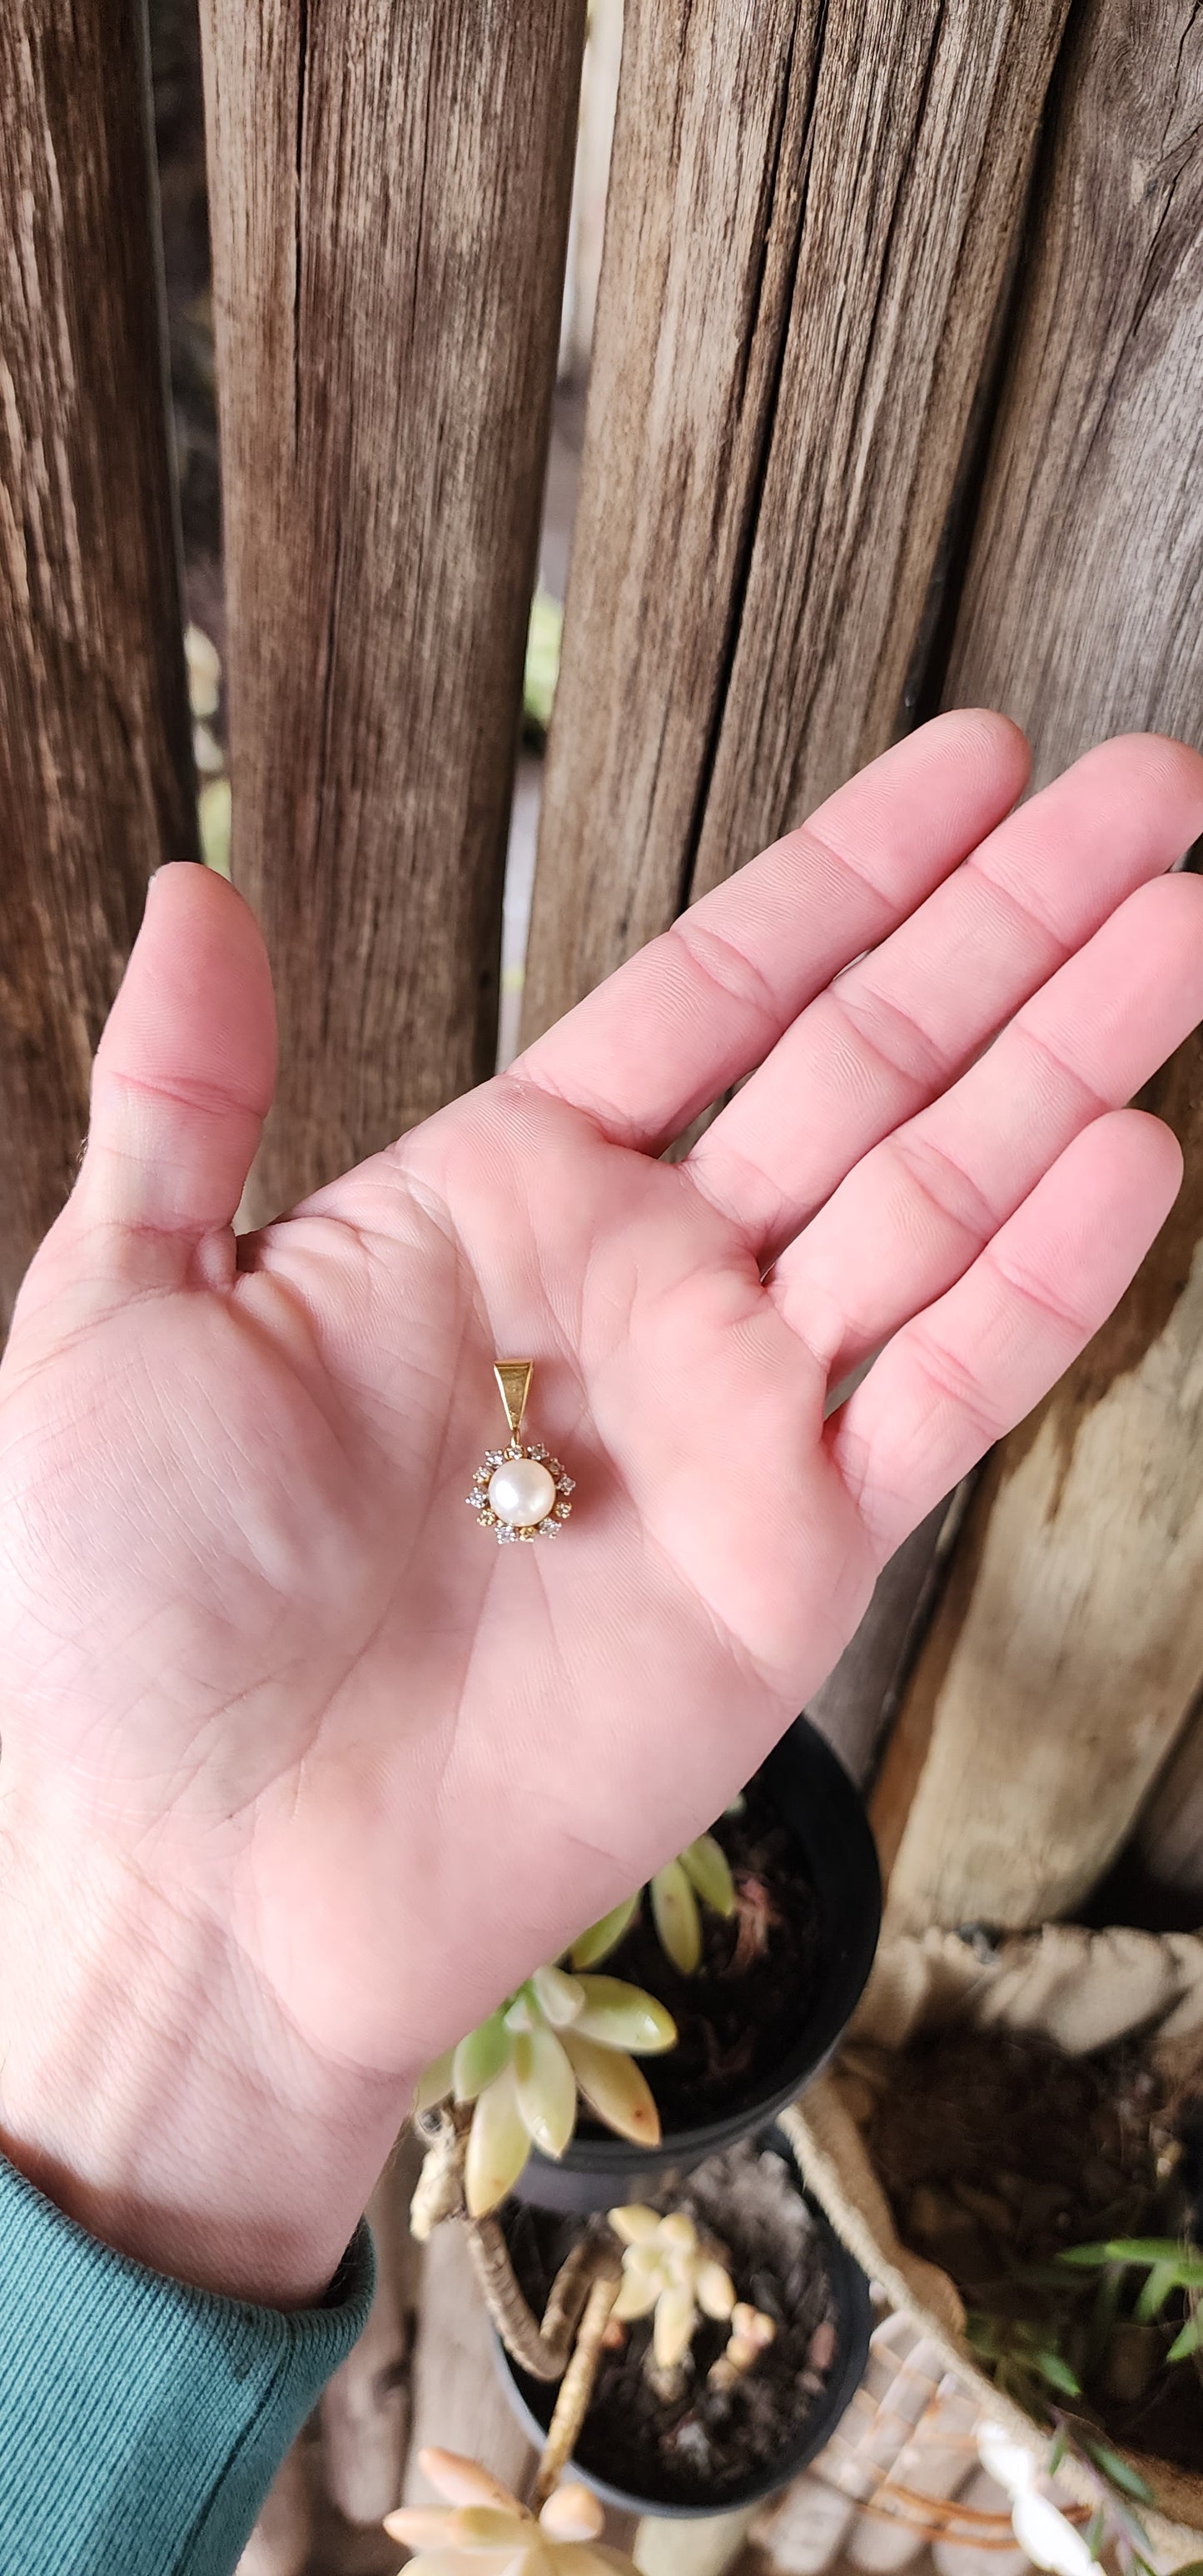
(300, 1770)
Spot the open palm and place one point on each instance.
(260, 1665)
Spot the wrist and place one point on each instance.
(148, 2088)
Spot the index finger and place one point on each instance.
(701, 1006)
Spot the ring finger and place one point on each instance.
(913, 1215)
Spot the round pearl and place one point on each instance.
(521, 1492)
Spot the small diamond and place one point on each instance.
(493, 1457)
(506, 1535)
(553, 1467)
(563, 1511)
(488, 1520)
(548, 1529)
(567, 1484)
(474, 1501)
(537, 1449)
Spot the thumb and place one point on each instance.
(186, 1066)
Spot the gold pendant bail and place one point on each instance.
(513, 1379)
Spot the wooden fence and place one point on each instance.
(896, 401)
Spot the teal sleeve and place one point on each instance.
(142, 2422)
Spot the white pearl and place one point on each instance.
(521, 1492)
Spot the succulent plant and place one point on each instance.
(482, 2530)
(751, 2333)
(558, 2040)
(666, 2268)
(702, 1870)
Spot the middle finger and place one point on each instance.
(894, 1029)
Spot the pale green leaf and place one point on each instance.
(435, 2085)
(1189, 2340)
(558, 1996)
(1122, 2249)
(1118, 2470)
(676, 2317)
(675, 1911)
(546, 2089)
(615, 2088)
(1160, 2284)
(498, 2145)
(637, 2296)
(715, 2291)
(635, 2224)
(483, 2526)
(706, 1863)
(481, 2056)
(597, 1943)
(622, 2016)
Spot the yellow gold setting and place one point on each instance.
(513, 1504)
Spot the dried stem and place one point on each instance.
(576, 2387)
(440, 2187)
(542, 2350)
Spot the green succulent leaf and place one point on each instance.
(546, 2089)
(559, 1997)
(637, 2296)
(483, 2526)
(435, 2085)
(617, 2015)
(634, 2223)
(1189, 2340)
(597, 1943)
(481, 2056)
(676, 2317)
(1096, 2533)
(1122, 2249)
(615, 2088)
(675, 1912)
(1159, 2285)
(1116, 2469)
(498, 2145)
(1056, 2373)
(706, 1863)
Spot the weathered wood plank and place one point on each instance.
(458, 2400)
(1169, 1834)
(856, 1703)
(389, 204)
(96, 784)
(1081, 606)
(366, 2409)
(772, 452)
(1069, 1648)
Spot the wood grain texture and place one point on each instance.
(96, 782)
(366, 2409)
(1169, 1833)
(389, 196)
(1069, 1647)
(459, 2403)
(855, 1704)
(810, 217)
(1084, 594)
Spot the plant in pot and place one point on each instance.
(639, 2072)
(1013, 2140)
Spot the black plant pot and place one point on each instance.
(533, 2400)
(818, 1802)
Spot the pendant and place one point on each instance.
(520, 1492)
